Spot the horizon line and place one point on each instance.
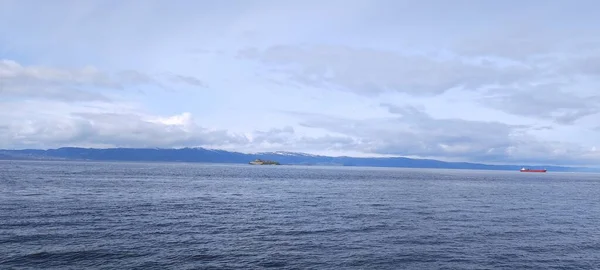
(527, 164)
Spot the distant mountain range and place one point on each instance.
(221, 156)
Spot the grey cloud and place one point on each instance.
(13, 71)
(549, 87)
(535, 30)
(37, 90)
(567, 63)
(413, 132)
(587, 65)
(370, 72)
(328, 142)
(191, 80)
(543, 128)
(286, 138)
(546, 101)
(519, 44)
(83, 84)
(132, 77)
(451, 136)
(275, 135)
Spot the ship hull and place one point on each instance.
(538, 171)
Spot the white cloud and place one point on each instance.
(371, 72)
(553, 90)
(74, 84)
(55, 124)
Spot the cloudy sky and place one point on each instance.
(484, 81)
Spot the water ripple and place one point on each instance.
(91, 215)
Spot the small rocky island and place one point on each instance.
(264, 162)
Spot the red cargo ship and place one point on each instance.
(532, 170)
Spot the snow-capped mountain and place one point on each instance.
(285, 153)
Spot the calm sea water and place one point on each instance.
(88, 215)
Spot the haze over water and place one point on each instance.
(89, 215)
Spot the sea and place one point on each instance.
(117, 215)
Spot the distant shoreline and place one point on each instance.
(208, 156)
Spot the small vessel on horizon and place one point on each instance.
(263, 162)
(532, 170)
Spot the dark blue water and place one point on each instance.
(68, 215)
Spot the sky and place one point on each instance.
(482, 81)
